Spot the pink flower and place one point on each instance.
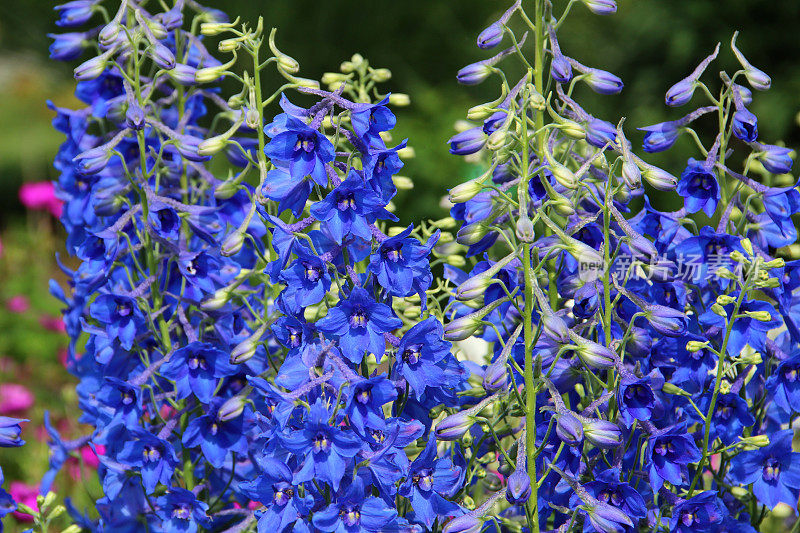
(26, 494)
(40, 196)
(53, 323)
(18, 304)
(14, 398)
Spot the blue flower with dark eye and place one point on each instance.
(699, 188)
(180, 510)
(289, 192)
(774, 470)
(429, 482)
(305, 150)
(350, 208)
(216, 434)
(324, 449)
(421, 357)
(164, 221)
(353, 512)
(636, 399)
(379, 167)
(153, 457)
(401, 264)
(119, 315)
(784, 384)
(358, 323)
(275, 490)
(700, 513)
(121, 399)
(731, 416)
(293, 332)
(370, 120)
(365, 405)
(307, 280)
(198, 268)
(745, 330)
(196, 368)
(608, 489)
(668, 452)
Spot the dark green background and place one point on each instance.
(649, 43)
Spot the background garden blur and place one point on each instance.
(650, 44)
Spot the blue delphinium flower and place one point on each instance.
(702, 512)
(307, 281)
(321, 447)
(354, 512)
(196, 368)
(365, 405)
(358, 323)
(369, 121)
(350, 208)
(608, 489)
(180, 510)
(784, 384)
(636, 399)
(401, 264)
(154, 457)
(774, 470)
(430, 480)
(699, 187)
(119, 315)
(216, 436)
(10, 430)
(668, 452)
(422, 357)
(305, 150)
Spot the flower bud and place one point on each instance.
(244, 351)
(569, 429)
(92, 68)
(454, 426)
(472, 233)
(232, 243)
(761, 316)
(445, 223)
(381, 75)
(481, 112)
(218, 300)
(601, 7)
(474, 74)
(563, 175)
(695, 346)
(463, 524)
(524, 229)
(209, 74)
(399, 99)
(109, 34)
(572, 129)
(491, 36)
(555, 328)
(756, 441)
(403, 183)
(495, 377)
(680, 93)
(229, 45)
(497, 139)
(466, 191)
(518, 489)
(212, 145)
(670, 388)
(666, 320)
(457, 261)
(659, 179)
(725, 299)
(593, 354)
(631, 174)
(211, 29)
(602, 433)
(232, 408)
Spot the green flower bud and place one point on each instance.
(399, 99)
(381, 75)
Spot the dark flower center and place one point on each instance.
(198, 361)
(359, 318)
(364, 396)
(772, 469)
(321, 442)
(282, 496)
(345, 201)
(151, 454)
(393, 253)
(412, 354)
(790, 374)
(124, 309)
(423, 479)
(305, 142)
(311, 272)
(295, 337)
(663, 448)
(350, 515)
(182, 511)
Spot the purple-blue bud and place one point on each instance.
(75, 13)
(603, 82)
(745, 125)
(162, 56)
(601, 7)
(134, 116)
(569, 429)
(775, 159)
(600, 132)
(495, 377)
(680, 93)
(560, 69)
(518, 489)
(491, 36)
(468, 141)
(666, 320)
(474, 74)
(67, 46)
(602, 433)
(454, 426)
(92, 68)
(188, 146)
(593, 354)
(463, 524)
(94, 160)
(183, 74)
(660, 137)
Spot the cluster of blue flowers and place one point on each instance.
(258, 348)
(653, 354)
(253, 351)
